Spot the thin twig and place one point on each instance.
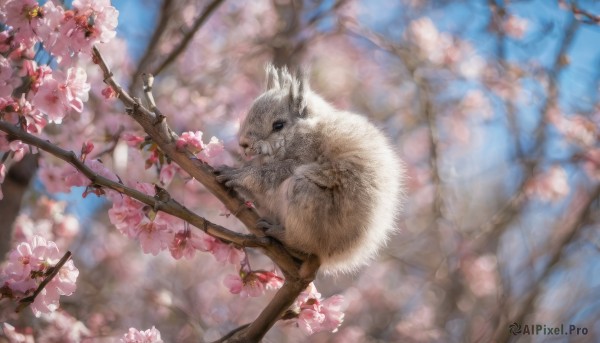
(188, 36)
(148, 84)
(54, 271)
(159, 30)
(556, 255)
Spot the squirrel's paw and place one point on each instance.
(227, 175)
(272, 230)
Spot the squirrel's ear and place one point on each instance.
(297, 96)
(272, 77)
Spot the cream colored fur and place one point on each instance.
(327, 182)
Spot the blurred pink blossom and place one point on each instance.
(253, 283)
(2, 176)
(181, 245)
(17, 337)
(190, 140)
(19, 149)
(481, 274)
(551, 185)
(135, 336)
(132, 139)
(29, 264)
(7, 80)
(213, 149)
(61, 92)
(515, 27)
(315, 314)
(576, 128)
(103, 16)
(25, 17)
(591, 163)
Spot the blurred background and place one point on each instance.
(493, 105)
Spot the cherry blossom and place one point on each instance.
(25, 17)
(103, 16)
(132, 139)
(576, 128)
(190, 140)
(551, 185)
(61, 92)
(315, 314)
(7, 82)
(17, 337)
(223, 252)
(515, 26)
(2, 176)
(136, 336)
(253, 283)
(30, 263)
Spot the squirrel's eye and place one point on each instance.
(278, 125)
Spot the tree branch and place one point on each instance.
(159, 30)
(556, 254)
(297, 274)
(165, 203)
(188, 36)
(53, 272)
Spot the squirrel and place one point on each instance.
(324, 181)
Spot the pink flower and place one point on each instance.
(135, 336)
(2, 176)
(315, 314)
(62, 284)
(154, 236)
(591, 163)
(234, 283)
(577, 128)
(16, 337)
(66, 226)
(190, 140)
(19, 149)
(68, 33)
(181, 245)
(134, 219)
(34, 118)
(552, 185)
(49, 101)
(213, 149)
(108, 93)
(515, 27)
(103, 16)
(8, 81)
(58, 94)
(75, 88)
(53, 177)
(132, 139)
(253, 283)
(25, 17)
(224, 252)
(30, 263)
(167, 173)
(331, 309)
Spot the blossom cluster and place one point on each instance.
(312, 314)
(136, 336)
(193, 142)
(28, 265)
(158, 231)
(252, 283)
(32, 94)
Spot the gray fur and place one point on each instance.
(328, 183)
